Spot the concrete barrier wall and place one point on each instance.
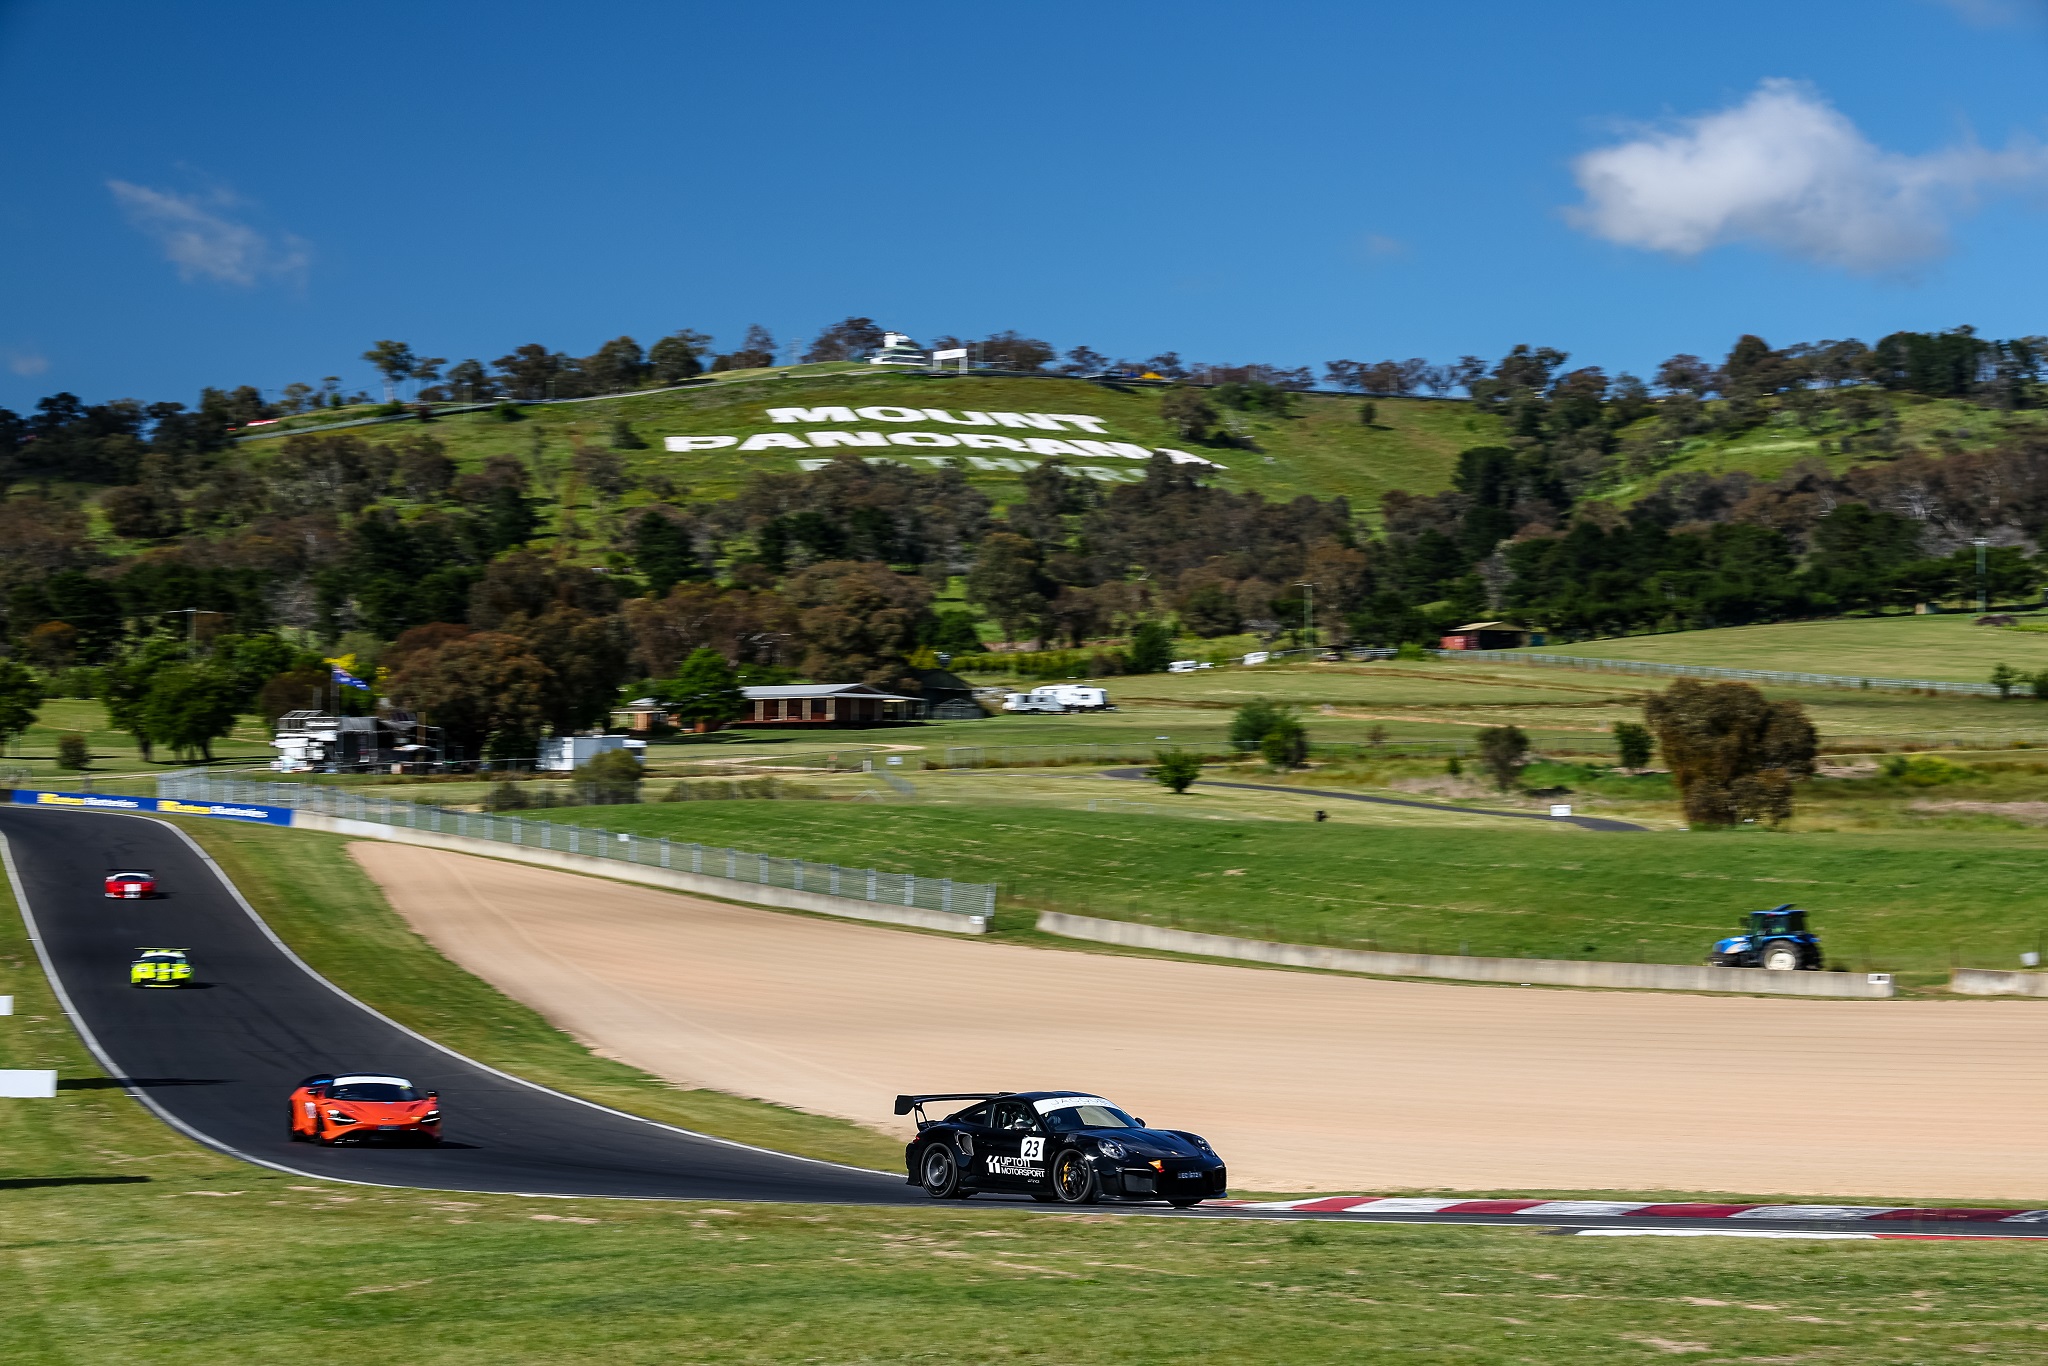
(674, 879)
(1521, 971)
(1981, 982)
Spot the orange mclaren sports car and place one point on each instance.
(363, 1107)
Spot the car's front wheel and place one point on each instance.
(941, 1174)
(1073, 1179)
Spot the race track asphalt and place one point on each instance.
(219, 1061)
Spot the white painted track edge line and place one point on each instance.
(371, 1010)
(114, 1071)
(107, 1064)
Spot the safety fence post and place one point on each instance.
(871, 884)
(732, 864)
(946, 894)
(696, 858)
(664, 851)
(835, 879)
(796, 874)
(910, 889)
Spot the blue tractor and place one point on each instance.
(1776, 939)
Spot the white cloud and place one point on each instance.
(1786, 170)
(1996, 13)
(200, 238)
(27, 363)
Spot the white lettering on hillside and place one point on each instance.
(995, 466)
(1044, 422)
(810, 415)
(1040, 446)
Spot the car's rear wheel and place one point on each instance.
(940, 1173)
(1184, 1204)
(1073, 1179)
(1781, 958)
(291, 1126)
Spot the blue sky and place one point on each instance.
(223, 193)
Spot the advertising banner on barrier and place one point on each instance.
(169, 806)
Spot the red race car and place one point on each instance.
(131, 885)
(363, 1107)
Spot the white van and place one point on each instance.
(1075, 696)
(1031, 701)
(1187, 666)
(1259, 657)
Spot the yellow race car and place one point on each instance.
(160, 968)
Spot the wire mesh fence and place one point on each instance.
(735, 865)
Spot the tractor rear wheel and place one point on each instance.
(1781, 958)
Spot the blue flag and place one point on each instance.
(347, 679)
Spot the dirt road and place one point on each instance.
(1304, 1081)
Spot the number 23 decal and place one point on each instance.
(1034, 1150)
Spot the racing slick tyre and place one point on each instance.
(1184, 1204)
(1073, 1179)
(1780, 958)
(291, 1128)
(940, 1172)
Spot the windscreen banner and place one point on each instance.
(169, 806)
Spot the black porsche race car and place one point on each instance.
(1068, 1147)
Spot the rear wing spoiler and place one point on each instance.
(908, 1104)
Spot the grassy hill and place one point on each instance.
(1320, 448)
(1949, 647)
(1935, 425)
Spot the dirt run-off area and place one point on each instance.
(1303, 1081)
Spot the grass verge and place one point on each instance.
(1883, 901)
(322, 904)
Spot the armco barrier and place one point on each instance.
(1985, 982)
(1558, 972)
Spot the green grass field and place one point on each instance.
(114, 752)
(123, 1242)
(120, 1241)
(1890, 900)
(1946, 647)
